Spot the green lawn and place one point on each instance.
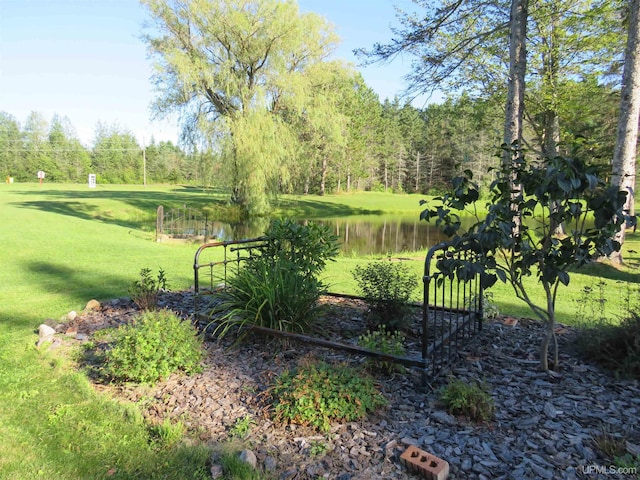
(63, 245)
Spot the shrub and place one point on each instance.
(319, 393)
(471, 400)
(387, 287)
(615, 347)
(155, 345)
(144, 292)
(383, 341)
(304, 248)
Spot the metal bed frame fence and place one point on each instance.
(451, 309)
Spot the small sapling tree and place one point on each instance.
(554, 191)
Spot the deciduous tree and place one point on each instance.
(557, 190)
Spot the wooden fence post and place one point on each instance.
(159, 221)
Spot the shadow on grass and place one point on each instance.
(607, 271)
(309, 208)
(76, 283)
(103, 432)
(77, 204)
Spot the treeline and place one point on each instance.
(391, 146)
(116, 155)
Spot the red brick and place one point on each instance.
(425, 464)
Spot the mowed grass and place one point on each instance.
(63, 245)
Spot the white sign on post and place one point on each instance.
(92, 180)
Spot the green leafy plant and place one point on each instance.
(278, 288)
(387, 287)
(155, 345)
(242, 427)
(305, 248)
(489, 307)
(384, 341)
(144, 291)
(468, 399)
(319, 393)
(628, 461)
(318, 448)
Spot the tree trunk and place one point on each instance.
(550, 333)
(517, 69)
(323, 175)
(417, 172)
(624, 156)
(386, 176)
(515, 93)
(551, 122)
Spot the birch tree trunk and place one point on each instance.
(514, 110)
(624, 156)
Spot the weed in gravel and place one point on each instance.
(242, 427)
(387, 342)
(611, 444)
(468, 399)
(144, 291)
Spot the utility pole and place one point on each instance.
(144, 164)
(144, 167)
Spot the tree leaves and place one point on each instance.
(553, 191)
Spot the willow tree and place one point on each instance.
(226, 66)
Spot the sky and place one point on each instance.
(84, 60)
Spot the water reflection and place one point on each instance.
(359, 235)
(383, 234)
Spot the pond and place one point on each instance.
(358, 235)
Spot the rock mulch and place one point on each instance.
(544, 427)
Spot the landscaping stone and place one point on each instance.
(45, 334)
(92, 305)
(248, 457)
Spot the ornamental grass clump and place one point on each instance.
(468, 399)
(278, 287)
(156, 344)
